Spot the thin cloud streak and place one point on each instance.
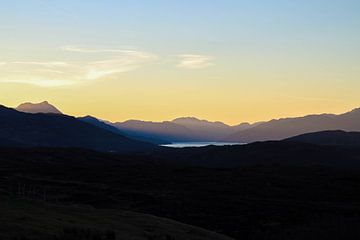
(192, 61)
(85, 50)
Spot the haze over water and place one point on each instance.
(199, 144)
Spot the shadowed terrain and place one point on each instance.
(334, 138)
(271, 190)
(29, 219)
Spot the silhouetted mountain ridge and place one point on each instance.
(107, 126)
(181, 129)
(336, 137)
(278, 129)
(192, 129)
(53, 130)
(167, 131)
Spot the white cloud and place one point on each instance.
(119, 64)
(62, 73)
(192, 61)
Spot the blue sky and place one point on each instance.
(196, 24)
(289, 52)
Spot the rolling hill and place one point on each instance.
(336, 137)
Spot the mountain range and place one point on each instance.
(185, 129)
(191, 129)
(279, 129)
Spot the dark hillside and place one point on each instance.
(20, 129)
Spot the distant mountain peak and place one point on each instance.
(194, 120)
(89, 117)
(186, 118)
(42, 107)
(244, 124)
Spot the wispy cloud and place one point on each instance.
(101, 64)
(192, 61)
(87, 50)
(105, 62)
(123, 61)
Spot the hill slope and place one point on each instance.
(37, 220)
(168, 131)
(339, 138)
(52, 130)
(109, 127)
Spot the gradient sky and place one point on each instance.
(227, 60)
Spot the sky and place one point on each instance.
(226, 60)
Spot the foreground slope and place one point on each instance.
(28, 219)
(276, 190)
(52, 130)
